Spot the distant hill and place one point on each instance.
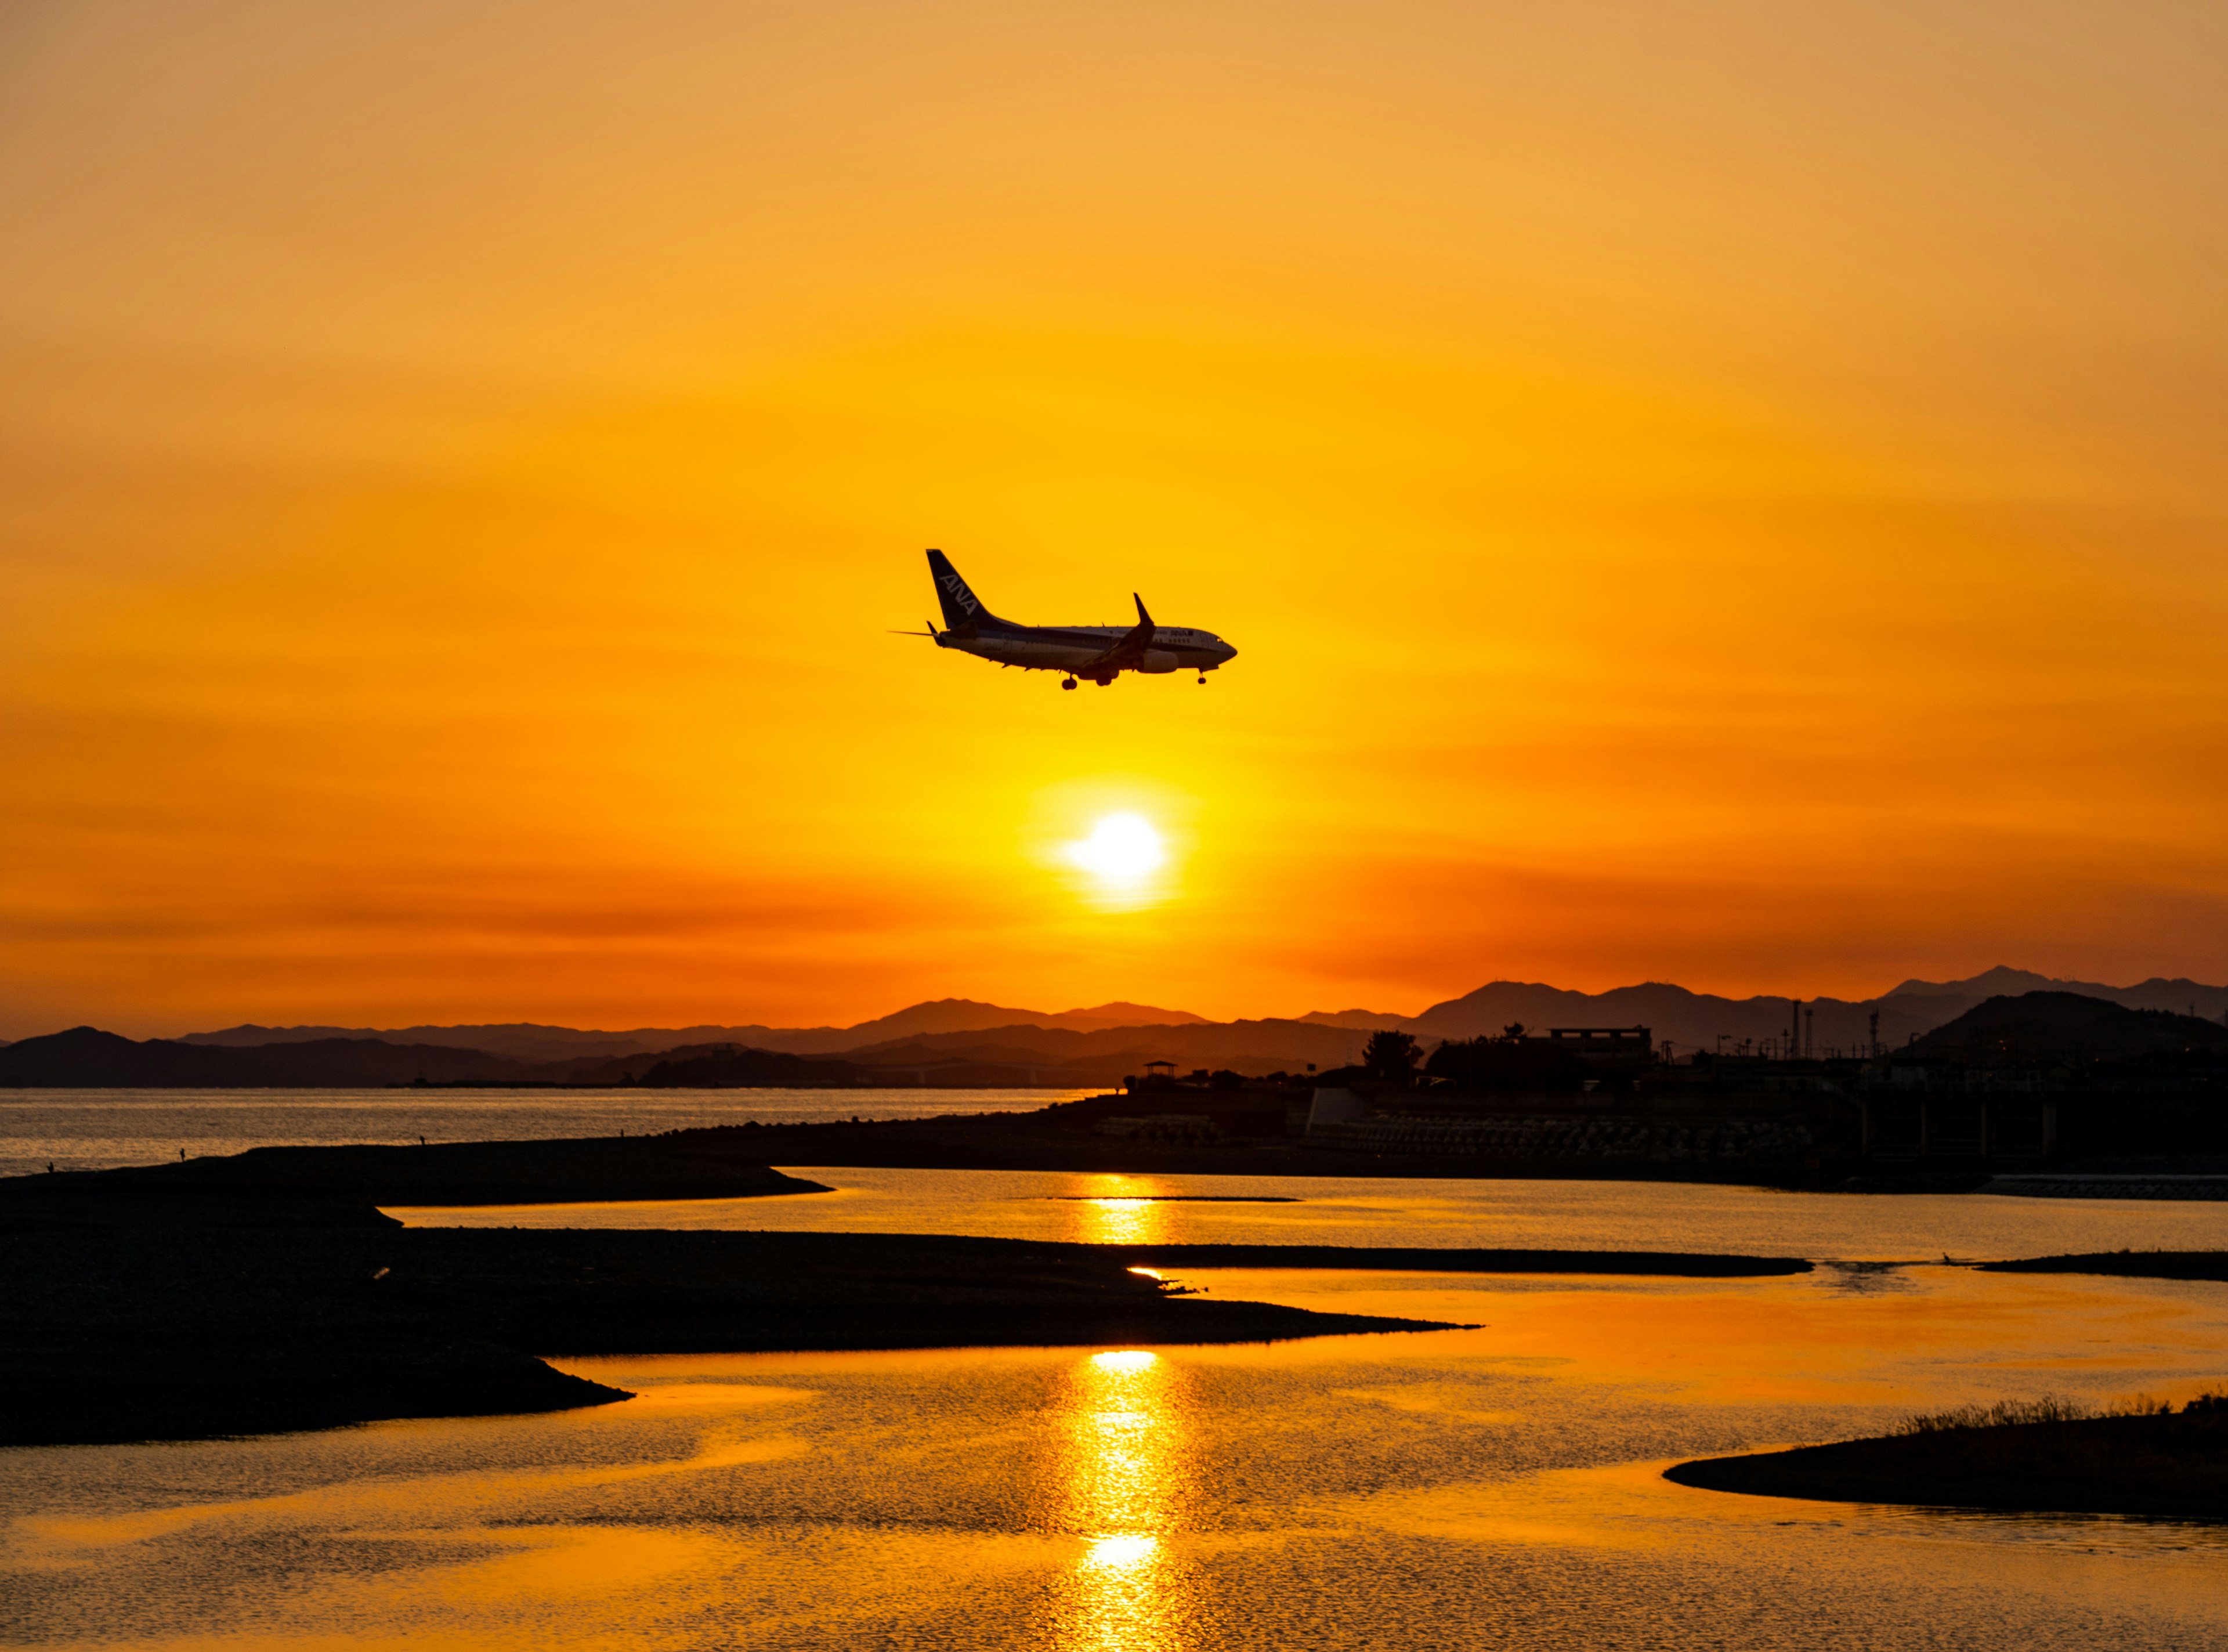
(1692, 1019)
(518, 1041)
(945, 1015)
(1120, 1013)
(2180, 994)
(1248, 1045)
(2052, 1027)
(534, 1041)
(1368, 1021)
(86, 1057)
(1688, 1021)
(1094, 1039)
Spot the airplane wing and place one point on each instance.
(1125, 654)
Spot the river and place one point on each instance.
(1496, 1485)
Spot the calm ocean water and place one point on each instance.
(97, 1129)
(1492, 1487)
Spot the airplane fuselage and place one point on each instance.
(1100, 653)
(1074, 648)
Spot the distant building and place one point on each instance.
(1604, 1043)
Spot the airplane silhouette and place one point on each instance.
(1100, 653)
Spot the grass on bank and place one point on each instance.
(2050, 1408)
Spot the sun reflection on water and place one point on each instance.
(1124, 1457)
(1116, 1210)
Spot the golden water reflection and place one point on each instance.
(1124, 1460)
(1115, 1210)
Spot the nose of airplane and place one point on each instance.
(1228, 652)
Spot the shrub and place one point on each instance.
(2004, 1413)
(1391, 1055)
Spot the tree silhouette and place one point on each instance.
(1391, 1055)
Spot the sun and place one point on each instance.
(1121, 848)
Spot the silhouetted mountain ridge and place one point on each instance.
(1102, 1040)
(2035, 1027)
(85, 1057)
(1697, 1021)
(536, 1042)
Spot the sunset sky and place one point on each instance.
(1723, 493)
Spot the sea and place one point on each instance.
(1498, 1485)
(101, 1129)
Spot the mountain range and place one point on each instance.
(532, 1041)
(949, 1028)
(965, 1041)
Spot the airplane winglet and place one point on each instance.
(1144, 618)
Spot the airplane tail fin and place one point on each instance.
(962, 608)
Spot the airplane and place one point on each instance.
(1100, 653)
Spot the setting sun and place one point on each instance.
(1120, 848)
(841, 789)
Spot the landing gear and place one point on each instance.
(1104, 683)
(1068, 684)
(1202, 678)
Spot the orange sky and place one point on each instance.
(1727, 493)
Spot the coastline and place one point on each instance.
(2159, 1466)
(2125, 1265)
(246, 1317)
(265, 1292)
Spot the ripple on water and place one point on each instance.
(1499, 1486)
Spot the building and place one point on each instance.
(1604, 1043)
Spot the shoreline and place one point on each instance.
(265, 1292)
(2165, 1467)
(1239, 1138)
(248, 1317)
(2123, 1264)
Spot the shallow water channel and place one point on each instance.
(1498, 1486)
(1388, 1211)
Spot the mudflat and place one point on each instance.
(2125, 1265)
(1683, 1264)
(266, 1292)
(310, 1318)
(680, 1164)
(2155, 1465)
